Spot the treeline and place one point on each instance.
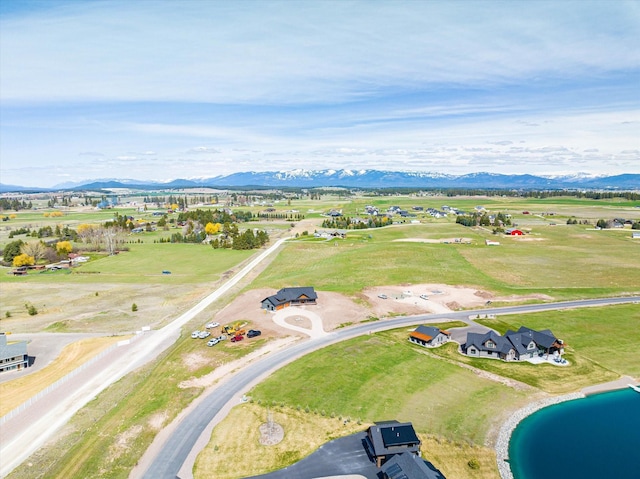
(14, 204)
(281, 216)
(347, 223)
(214, 216)
(246, 240)
(64, 233)
(477, 219)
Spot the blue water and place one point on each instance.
(594, 437)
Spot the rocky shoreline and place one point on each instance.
(504, 436)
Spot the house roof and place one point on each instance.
(518, 340)
(286, 295)
(427, 333)
(479, 340)
(393, 437)
(408, 466)
(11, 349)
(544, 338)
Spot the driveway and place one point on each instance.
(340, 457)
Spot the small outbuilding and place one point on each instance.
(290, 297)
(514, 232)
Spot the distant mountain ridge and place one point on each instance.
(361, 179)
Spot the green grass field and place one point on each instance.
(369, 378)
(385, 377)
(562, 262)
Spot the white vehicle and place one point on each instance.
(424, 296)
(195, 334)
(382, 296)
(212, 342)
(222, 337)
(212, 325)
(204, 334)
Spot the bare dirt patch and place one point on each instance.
(157, 421)
(194, 361)
(121, 444)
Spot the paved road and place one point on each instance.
(171, 458)
(24, 433)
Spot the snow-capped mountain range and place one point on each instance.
(363, 179)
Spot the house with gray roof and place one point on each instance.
(429, 336)
(514, 345)
(408, 466)
(386, 439)
(13, 355)
(290, 297)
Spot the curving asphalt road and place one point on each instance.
(178, 446)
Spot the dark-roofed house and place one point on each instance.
(429, 336)
(386, 439)
(290, 297)
(408, 466)
(513, 346)
(13, 355)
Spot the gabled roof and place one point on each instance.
(286, 295)
(389, 437)
(544, 338)
(479, 340)
(408, 466)
(427, 333)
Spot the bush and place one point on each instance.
(31, 309)
(473, 464)
(134, 307)
(7, 314)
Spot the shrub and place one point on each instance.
(134, 307)
(31, 309)
(473, 464)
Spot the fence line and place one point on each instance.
(52, 387)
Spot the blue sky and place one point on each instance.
(158, 90)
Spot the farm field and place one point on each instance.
(552, 261)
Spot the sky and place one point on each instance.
(160, 90)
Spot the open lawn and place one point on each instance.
(383, 377)
(546, 262)
(15, 392)
(552, 379)
(144, 263)
(608, 337)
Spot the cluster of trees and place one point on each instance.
(483, 219)
(14, 204)
(281, 216)
(99, 237)
(214, 216)
(44, 232)
(19, 253)
(602, 223)
(347, 223)
(246, 240)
